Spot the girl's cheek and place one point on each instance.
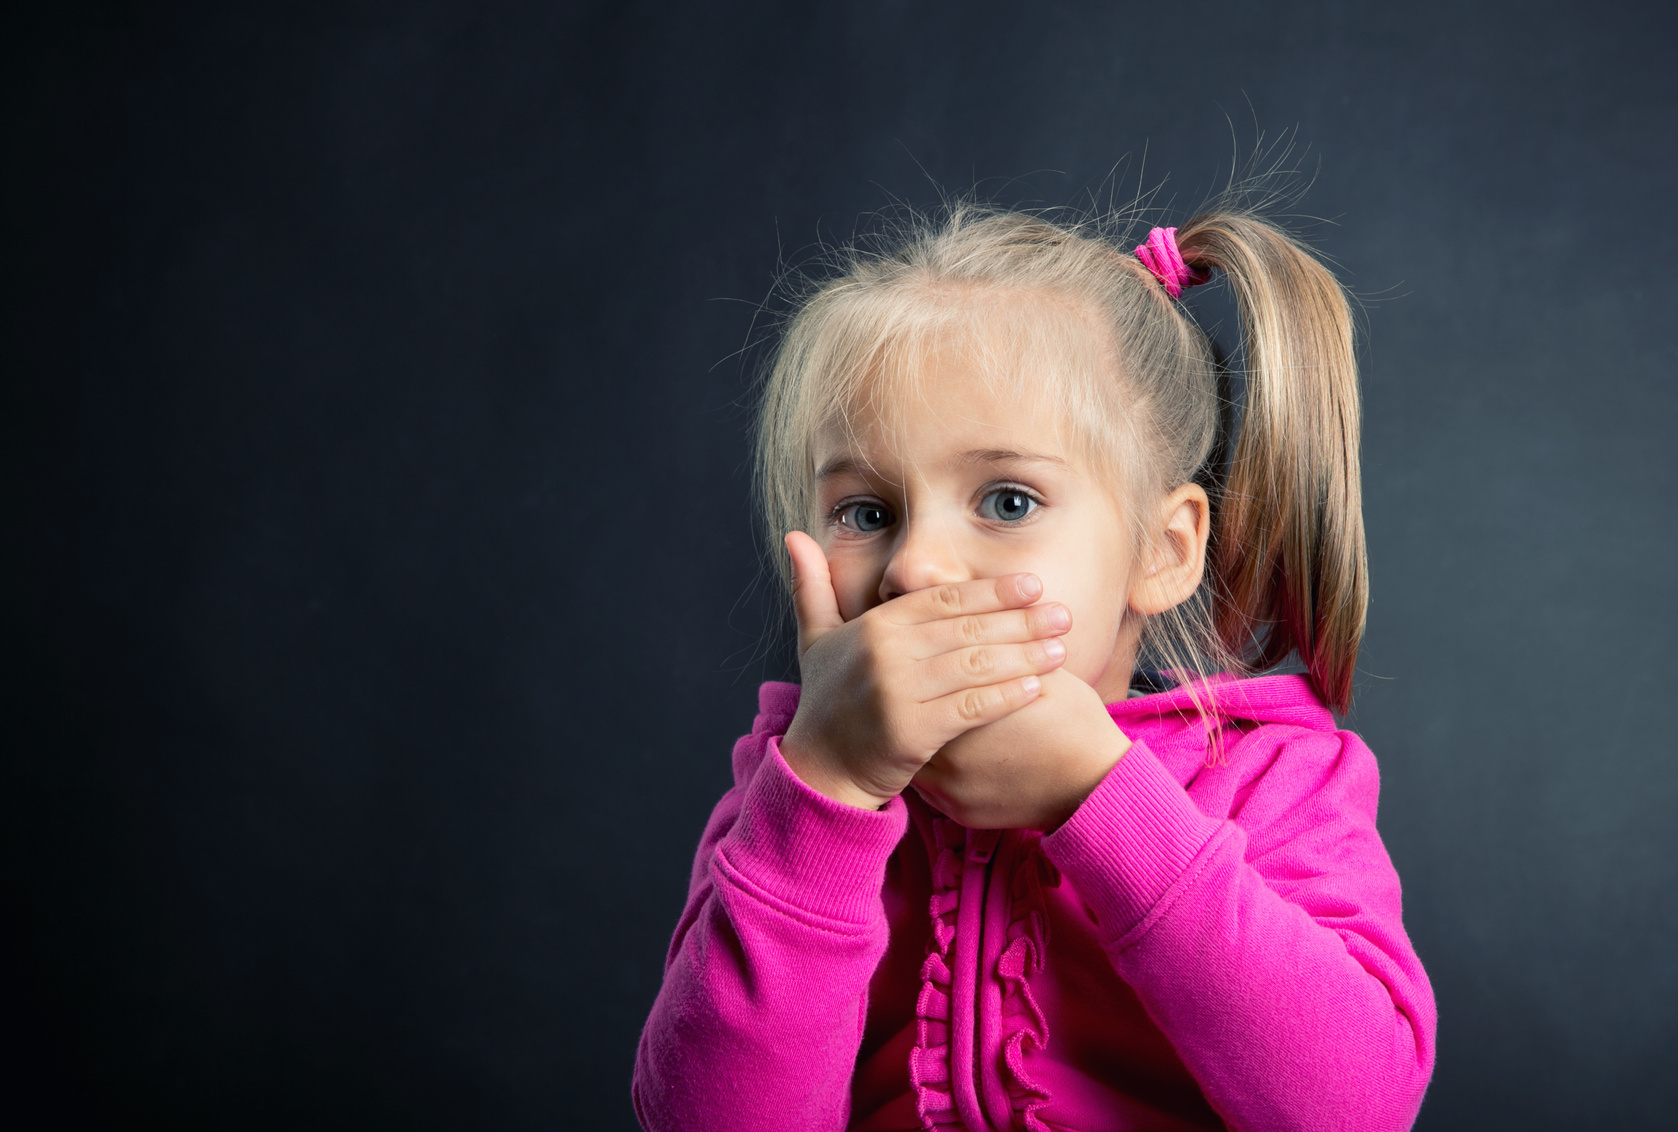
(1096, 622)
(1086, 663)
(854, 583)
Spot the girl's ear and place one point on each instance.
(1172, 566)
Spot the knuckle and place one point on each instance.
(972, 629)
(978, 662)
(971, 705)
(947, 597)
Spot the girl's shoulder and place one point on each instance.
(1226, 734)
(776, 703)
(1288, 700)
(777, 700)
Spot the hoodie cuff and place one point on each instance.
(1130, 841)
(802, 848)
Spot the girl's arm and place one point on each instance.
(765, 989)
(1268, 946)
(761, 1014)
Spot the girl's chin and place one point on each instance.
(927, 797)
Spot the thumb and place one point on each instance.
(813, 600)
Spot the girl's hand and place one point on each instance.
(884, 691)
(1032, 769)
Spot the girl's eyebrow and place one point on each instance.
(1004, 456)
(842, 466)
(851, 466)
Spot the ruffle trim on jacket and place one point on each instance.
(1023, 1026)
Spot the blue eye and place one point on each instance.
(865, 518)
(1009, 505)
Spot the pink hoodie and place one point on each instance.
(1199, 945)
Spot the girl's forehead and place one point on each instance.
(952, 406)
(969, 369)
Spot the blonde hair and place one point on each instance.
(1145, 394)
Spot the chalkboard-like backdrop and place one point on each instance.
(376, 530)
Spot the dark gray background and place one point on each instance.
(378, 567)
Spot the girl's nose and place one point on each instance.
(925, 556)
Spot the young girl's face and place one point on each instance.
(965, 482)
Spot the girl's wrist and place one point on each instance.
(1106, 746)
(818, 774)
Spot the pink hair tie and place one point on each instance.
(1166, 262)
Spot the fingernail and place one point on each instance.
(1032, 685)
(1060, 618)
(1054, 648)
(1030, 586)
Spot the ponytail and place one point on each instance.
(1287, 557)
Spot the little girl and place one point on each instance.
(981, 870)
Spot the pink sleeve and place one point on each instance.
(760, 1017)
(1269, 947)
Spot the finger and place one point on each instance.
(1006, 627)
(987, 664)
(957, 599)
(960, 712)
(813, 600)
